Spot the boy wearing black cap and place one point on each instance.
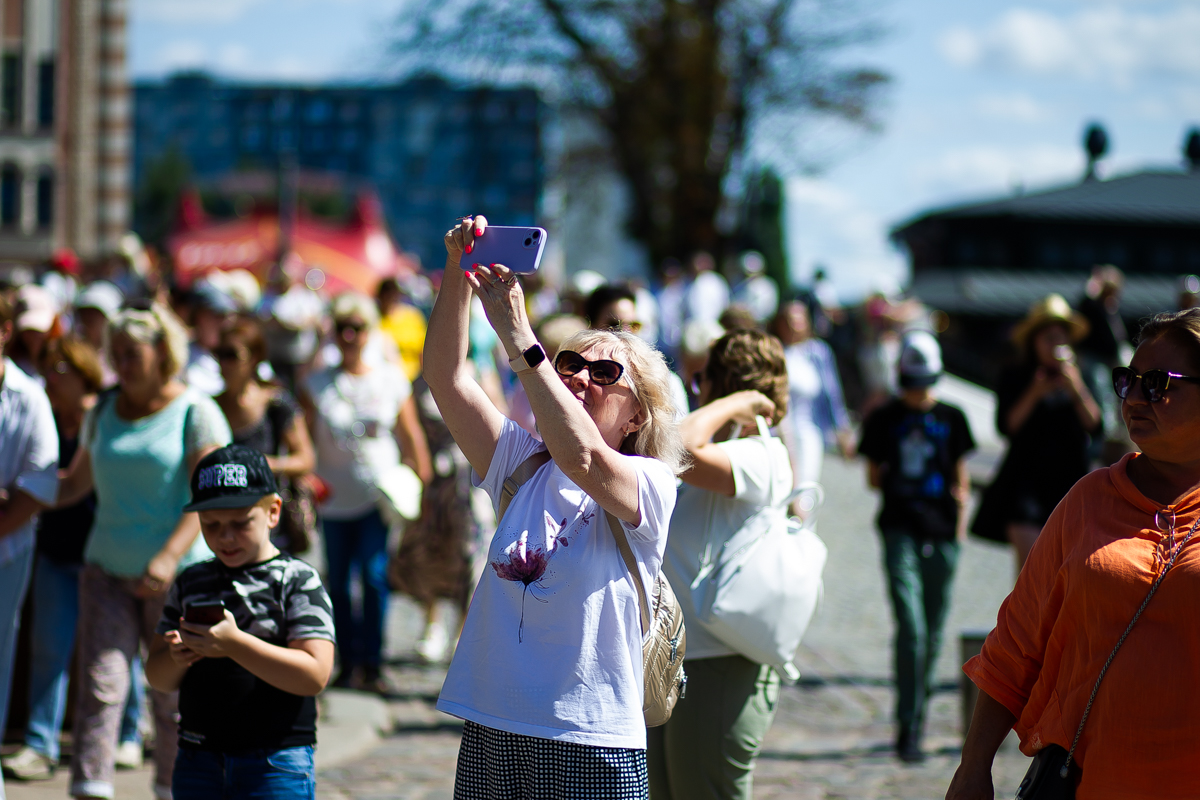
(247, 682)
(916, 448)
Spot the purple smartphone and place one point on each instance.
(519, 249)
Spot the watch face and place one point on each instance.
(535, 355)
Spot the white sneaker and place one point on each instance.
(28, 764)
(129, 755)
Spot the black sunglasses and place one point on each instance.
(1155, 382)
(602, 371)
(227, 354)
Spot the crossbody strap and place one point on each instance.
(618, 533)
(524, 471)
(1154, 588)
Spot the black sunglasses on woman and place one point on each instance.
(603, 371)
(1155, 382)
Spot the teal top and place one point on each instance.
(140, 472)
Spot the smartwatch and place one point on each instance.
(528, 360)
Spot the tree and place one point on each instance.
(156, 203)
(761, 225)
(680, 88)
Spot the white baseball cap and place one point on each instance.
(102, 296)
(920, 360)
(36, 309)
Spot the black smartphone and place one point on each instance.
(207, 613)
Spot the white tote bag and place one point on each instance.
(758, 591)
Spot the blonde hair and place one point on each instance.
(649, 379)
(355, 304)
(152, 326)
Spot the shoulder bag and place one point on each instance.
(664, 639)
(757, 591)
(1052, 775)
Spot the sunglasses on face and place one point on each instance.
(1155, 382)
(355, 327)
(227, 354)
(603, 372)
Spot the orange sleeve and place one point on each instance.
(1016, 650)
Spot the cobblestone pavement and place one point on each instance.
(832, 734)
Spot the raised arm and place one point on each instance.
(568, 431)
(473, 420)
(711, 468)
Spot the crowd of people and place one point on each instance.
(171, 456)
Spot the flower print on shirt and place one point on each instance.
(527, 563)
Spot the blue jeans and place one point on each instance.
(286, 774)
(55, 611)
(14, 579)
(358, 546)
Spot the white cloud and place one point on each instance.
(179, 11)
(181, 54)
(832, 227)
(1017, 106)
(983, 169)
(1108, 43)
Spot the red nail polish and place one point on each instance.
(479, 232)
(470, 247)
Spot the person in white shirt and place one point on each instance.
(364, 423)
(28, 483)
(548, 670)
(706, 751)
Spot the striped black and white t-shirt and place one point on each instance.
(222, 706)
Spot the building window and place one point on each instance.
(10, 89)
(10, 196)
(45, 200)
(45, 109)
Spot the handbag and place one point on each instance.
(664, 638)
(759, 591)
(1052, 775)
(298, 518)
(400, 491)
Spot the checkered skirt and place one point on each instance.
(496, 765)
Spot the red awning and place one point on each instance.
(354, 255)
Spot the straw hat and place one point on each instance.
(1051, 309)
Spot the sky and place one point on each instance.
(987, 98)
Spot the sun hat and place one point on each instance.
(1053, 309)
(920, 360)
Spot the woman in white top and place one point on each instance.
(358, 411)
(707, 749)
(817, 410)
(548, 671)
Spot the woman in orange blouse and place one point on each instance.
(1091, 568)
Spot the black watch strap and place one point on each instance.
(528, 360)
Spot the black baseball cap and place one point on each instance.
(235, 476)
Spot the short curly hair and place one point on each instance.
(748, 359)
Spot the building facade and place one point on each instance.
(985, 263)
(432, 151)
(64, 130)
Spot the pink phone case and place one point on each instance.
(519, 249)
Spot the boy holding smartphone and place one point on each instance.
(248, 682)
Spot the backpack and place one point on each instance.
(664, 639)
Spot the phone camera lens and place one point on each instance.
(536, 234)
(528, 242)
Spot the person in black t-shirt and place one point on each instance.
(247, 684)
(916, 445)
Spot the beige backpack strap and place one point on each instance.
(520, 475)
(618, 533)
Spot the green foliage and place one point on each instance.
(677, 88)
(156, 200)
(762, 225)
